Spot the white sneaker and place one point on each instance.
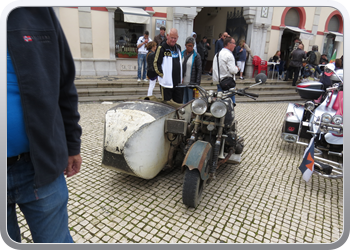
(145, 80)
(139, 80)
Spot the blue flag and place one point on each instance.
(307, 166)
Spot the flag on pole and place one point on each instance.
(334, 56)
(307, 166)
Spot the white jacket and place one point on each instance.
(227, 65)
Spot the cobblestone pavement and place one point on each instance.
(262, 200)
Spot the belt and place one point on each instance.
(12, 160)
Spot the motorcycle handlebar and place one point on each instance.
(251, 94)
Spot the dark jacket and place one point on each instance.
(158, 39)
(196, 68)
(297, 58)
(219, 44)
(150, 67)
(203, 50)
(240, 56)
(45, 70)
(167, 64)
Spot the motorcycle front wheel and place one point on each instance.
(192, 188)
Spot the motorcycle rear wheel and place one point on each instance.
(192, 188)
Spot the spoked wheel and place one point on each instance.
(192, 188)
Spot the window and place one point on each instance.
(292, 18)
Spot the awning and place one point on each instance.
(338, 36)
(135, 15)
(304, 35)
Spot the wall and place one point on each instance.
(100, 34)
(70, 24)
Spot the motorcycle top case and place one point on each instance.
(310, 90)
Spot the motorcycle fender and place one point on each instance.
(197, 157)
(293, 117)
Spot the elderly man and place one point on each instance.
(167, 64)
(227, 63)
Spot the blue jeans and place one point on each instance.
(141, 59)
(188, 95)
(232, 98)
(45, 208)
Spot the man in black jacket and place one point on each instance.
(168, 66)
(297, 62)
(203, 48)
(43, 134)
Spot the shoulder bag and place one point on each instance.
(227, 82)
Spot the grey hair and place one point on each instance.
(314, 47)
(190, 39)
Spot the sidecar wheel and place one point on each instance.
(192, 188)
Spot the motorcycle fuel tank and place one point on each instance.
(134, 138)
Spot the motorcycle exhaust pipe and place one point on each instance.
(335, 153)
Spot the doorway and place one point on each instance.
(287, 43)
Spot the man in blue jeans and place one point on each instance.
(43, 134)
(141, 57)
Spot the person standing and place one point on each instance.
(241, 58)
(227, 63)
(314, 58)
(194, 35)
(168, 66)
(203, 48)
(191, 68)
(161, 36)
(220, 43)
(297, 62)
(43, 134)
(141, 57)
(151, 74)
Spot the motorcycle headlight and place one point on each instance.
(337, 120)
(199, 106)
(309, 105)
(326, 118)
(218, 109)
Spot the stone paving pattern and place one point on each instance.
(262, 200)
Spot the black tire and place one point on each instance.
(192, 188)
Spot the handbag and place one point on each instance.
(227, 82)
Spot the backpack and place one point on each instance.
(312, 57)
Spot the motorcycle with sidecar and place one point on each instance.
(144, 137)
(320, 117)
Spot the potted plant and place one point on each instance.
(127, 54)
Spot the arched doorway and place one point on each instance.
(292, 23)
(333, 33)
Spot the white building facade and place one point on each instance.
(99, 36)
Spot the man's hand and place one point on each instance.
(74, 163)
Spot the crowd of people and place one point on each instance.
(173, 66)
(166, 62)
(307, 65)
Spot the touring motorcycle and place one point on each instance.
(144, 137)
(320, 117)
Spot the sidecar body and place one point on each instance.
(135, 141)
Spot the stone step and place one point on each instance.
(238, 98)
(121, 88)
(262, 91)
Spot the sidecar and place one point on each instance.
(136, 140)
